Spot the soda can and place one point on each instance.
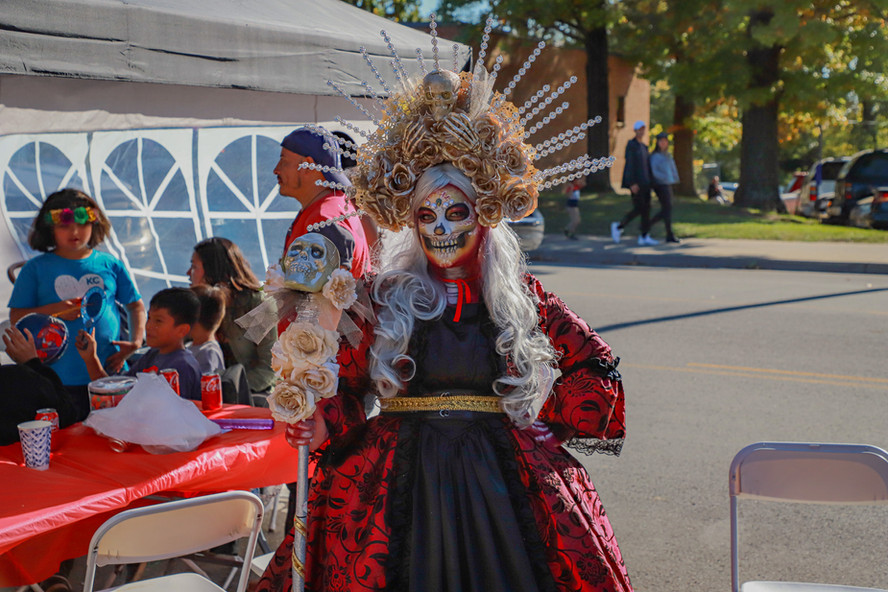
(211, 391)
(49, 414)
(172, 377)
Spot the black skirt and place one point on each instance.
(461, 521)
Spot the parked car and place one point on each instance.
(819, 187)
(530, 230)
(790, 195)
(798, 178)
(872, 211)
(729, 187)
(878, 216)
(858, 179)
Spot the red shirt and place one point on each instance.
(330, 206)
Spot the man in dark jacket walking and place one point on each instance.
(637, 179)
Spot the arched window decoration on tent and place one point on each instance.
(239, 195)
(145, 186)
(37, 166)
(164, 190)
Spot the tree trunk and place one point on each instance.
(683, 145)
(759, 184)
(759, 174)
(868, 123)
(597, 95)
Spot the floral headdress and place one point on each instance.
(457, 118)
(78, 215)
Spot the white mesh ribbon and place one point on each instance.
(362, 308)
(308, 307)
(262, 319)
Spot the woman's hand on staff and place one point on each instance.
(311, 432)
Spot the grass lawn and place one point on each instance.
(692, 217)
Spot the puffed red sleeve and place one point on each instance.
(586, 409)
(344, 413)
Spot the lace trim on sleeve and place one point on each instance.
(590, 446)
(599, 367)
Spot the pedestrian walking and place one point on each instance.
(572, 205)
(637, 179)
(664, 175)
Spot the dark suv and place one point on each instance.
(859, 179)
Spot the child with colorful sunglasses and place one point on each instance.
(67, 229)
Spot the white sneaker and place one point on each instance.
(616, 232)
(645, 240)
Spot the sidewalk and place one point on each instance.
(724, 253)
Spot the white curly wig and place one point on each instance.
(406, 292)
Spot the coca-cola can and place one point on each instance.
(172, 377)
(211, 391)
(49, 414)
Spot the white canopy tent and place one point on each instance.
(170, 113)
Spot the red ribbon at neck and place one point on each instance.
(463, 294)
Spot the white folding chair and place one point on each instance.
(804, 473)
(260, 563)
(175, 529)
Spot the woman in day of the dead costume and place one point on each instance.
(462, 482)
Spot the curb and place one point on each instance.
(716, 253)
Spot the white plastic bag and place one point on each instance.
(153, 415)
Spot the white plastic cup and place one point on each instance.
(36, 437)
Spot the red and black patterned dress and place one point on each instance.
(468, 502)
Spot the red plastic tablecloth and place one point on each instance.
(49, 516)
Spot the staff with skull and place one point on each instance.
(326, 221)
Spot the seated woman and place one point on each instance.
(29, 385)
(219, 262)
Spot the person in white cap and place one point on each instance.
(637, 179)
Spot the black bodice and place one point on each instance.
(456, 355)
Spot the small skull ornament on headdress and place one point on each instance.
(440, 90)
(309, 262)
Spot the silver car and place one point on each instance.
(530, 230)
(819, 187)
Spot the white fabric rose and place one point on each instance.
(302, 346)
(291, 403)
(285, 366)
(340, 289)
(321, 380)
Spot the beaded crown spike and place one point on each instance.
(457, 117)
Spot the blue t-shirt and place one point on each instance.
(209, 356)
(182, 360)
(48, 278)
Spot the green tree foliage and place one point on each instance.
(800, 57)
(792, 67)
(672, 44)
(579, 23)
(403, 11)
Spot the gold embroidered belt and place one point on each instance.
(444, 401)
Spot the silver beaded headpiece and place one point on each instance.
(458, 118)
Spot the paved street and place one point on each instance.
(712, 360)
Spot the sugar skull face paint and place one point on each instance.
(448, 228)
